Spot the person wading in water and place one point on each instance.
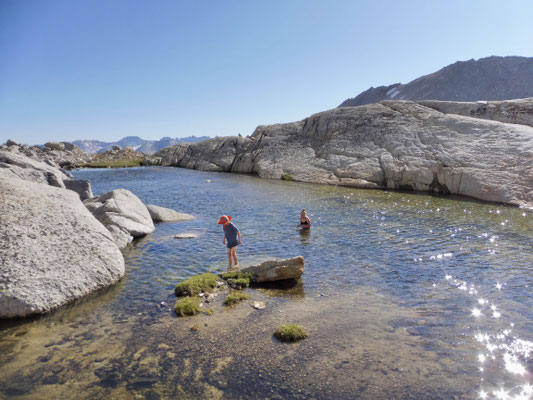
(233, 236)
(305, 222)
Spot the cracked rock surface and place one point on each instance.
(481, 150)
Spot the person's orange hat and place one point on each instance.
(224, 220)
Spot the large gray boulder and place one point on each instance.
(80, 186)
(55, 146)
(162, 214)
(388, 145)
(277, 270)
(52, 251)
(216, 154)
(13, 163)
(58, 155)
(123, 214)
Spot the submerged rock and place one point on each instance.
(52, 251)
(187, 235)
(123, 214)
(162, 214)
(276, 270)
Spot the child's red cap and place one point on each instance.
(224, 220)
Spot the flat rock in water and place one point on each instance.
(188, 235)
(277, 270)
(162, 214)
(53, 251)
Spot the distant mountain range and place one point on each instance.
(135, 142)
(490, 78)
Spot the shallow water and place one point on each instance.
(404, 296)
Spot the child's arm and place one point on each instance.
(239, 234)
(224, 241)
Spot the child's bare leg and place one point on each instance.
(234, 250)
(229, 257)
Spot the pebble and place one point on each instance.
(258, 305)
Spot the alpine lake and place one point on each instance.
(404, 296)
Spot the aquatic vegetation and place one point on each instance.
(237, 275)
(239, 283)
(195, 328)
(209, 311)
(234, 298)
(187, 306)
(238, 279)
(196, 285)
(290, 333)
(287, 177)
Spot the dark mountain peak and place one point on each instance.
(489, 78)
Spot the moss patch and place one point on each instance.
(196, 285)
(234, 298)
(290, 333)
(238, 280)
(187, 306)
(239, 283)
(287, 177)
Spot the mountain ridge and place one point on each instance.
(136, 143)
(491, 78)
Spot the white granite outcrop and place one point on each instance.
(391, 144)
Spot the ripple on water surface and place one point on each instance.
(399, 289)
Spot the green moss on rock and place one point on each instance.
(290, 333)
(287, 177)
(237, 279)
(234, 298)
(187, 306)
(196, 285)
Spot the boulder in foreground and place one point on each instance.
(162, 214)
(277, 270)
(52, 250)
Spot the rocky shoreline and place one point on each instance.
(482, 150)
(59, 243)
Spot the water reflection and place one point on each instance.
(304, 236)
(505, 355)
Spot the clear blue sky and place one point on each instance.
(100, 69)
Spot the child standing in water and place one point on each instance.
(233, 236)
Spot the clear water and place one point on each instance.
(404, 296)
